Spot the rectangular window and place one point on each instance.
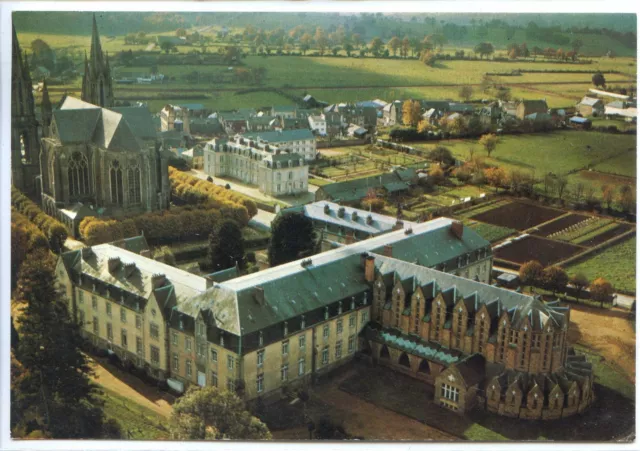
(214, 378)
(285, 347)
(155, 355)
(123, 315)
(201, 350)
(338, 349)
(301, 366)
(123, 338)
(188, 366)
(176, 362)
(352, 344)
(260, 355)
(80, 296)
(260, 383)
(139, 348)
(450, 393)
(284, 373)
(187, 344)
(325, 332)
(214, 355)
(108, 306)
(109, 332)
(94, 302)
(138, 322)
(230, 384)
(81, 317)
(96, 326)
(230, 362)
(339, 326)
(154, 331)
(325, 355)
(352, 321)
(302, 341)
(174, 338)
(364, 317)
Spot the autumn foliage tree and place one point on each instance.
(601, 291)
(579, 282)
(55, 232)
(411, 112)
(488, 142)
(554, 278)
(531, 273)
(496, 177)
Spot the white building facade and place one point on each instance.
(300, 141)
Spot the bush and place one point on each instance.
(54, 231)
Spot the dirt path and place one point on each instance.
(609, 333)
(130, 387)
(361, 418)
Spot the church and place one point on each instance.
(97, 159)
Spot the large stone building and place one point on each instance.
(97, 87)
(104, 159)
(25, 140)
(269, 332)
(300, 141)
(276, 172)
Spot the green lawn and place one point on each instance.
(138, 421)
(607, 374)
(490, 232)
(616, 264)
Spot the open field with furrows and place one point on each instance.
(616, 264)
(517, 215)
(532, 247)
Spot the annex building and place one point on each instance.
(276, 172)
(269, 332)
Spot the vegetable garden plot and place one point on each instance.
(560, 224)
(607, 235)
(517, 215)
(535, 248)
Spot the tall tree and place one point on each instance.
(555, 278)
(579, 282)
(53, 393)
(489, 142)
(598, 80)
(209, 414)
(483, 49)
(601, 291)
(466, 92)
(375, 46)
(394, 44)
(411, 112)
(531, 273)
(226, 246)
(292, 237)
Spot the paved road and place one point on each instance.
(621, 300)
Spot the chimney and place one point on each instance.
(369, 268)
(113, 263)
(158, 280)
(388, 250)
(129, 269)
(457, 229)
(327, 209)
(354, 216)
(369, 220)
(258, 295)
(399, 225)
(341, 212)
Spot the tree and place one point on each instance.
(484, 49)
(442, 155)
(43, 55)
(531, 273)
(167, 46)
(375, 46)
(226, 246)
(411, 112)
(626, 198)
(181, 32)
(394, 44)
(607, 195)
(489, 142)
(53, 393)
(580, 282)
(428, 58)
(496, 177)
(598, 80)
(561, 184)
(601, 291)
(465, 93)
(406, 46)
(436, 175)
(212, 414)
(292, 237)
(576, 44)
(424, 126)
(555, 278)
(513, 54)
(305, 43)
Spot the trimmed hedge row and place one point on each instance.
(195, 191)
(54, 231)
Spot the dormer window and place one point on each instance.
(302, 322)
(181, 325)
(353, 302)
(326, 313)
(260, 339)
(286, 328)
(221, 340)
(339, 308)
(459, 262)
(93, 287)
(364, 299)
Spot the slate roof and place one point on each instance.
(114, 129)
(590, 101)
(472, 369)
(316, 211)
(281, 136)
(352, 190)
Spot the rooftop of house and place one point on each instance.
(353, 218)
(352, 190)
(590, 101)
(280, 136)
(284, 109)
(116, 128)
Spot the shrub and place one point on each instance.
(54, 231)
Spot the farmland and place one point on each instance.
(516, 215)
(536, 248)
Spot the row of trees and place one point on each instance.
(25, 239)
(555, 279)
(195, 191)
(53, 230)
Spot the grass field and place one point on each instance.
(490, 232)
(137, 422)
(616, 264)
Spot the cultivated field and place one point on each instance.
(516, 215)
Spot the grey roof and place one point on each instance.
(352, 190)
(114, 129)
(590, 101)
(281, 136)
(378, 223)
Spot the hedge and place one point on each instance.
(195, 191)
(54, 231)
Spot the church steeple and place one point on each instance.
(96, 84)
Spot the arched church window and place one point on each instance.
(115, 181)
(134, 186)
(78, 174)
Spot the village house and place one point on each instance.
(318, 124)
(300, 141)
(392, 113)
(275, 170)
(622, 109)
(273, 332)
(284, 111)
(526, 107)
(590, 106)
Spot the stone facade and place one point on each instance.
(276, 173)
